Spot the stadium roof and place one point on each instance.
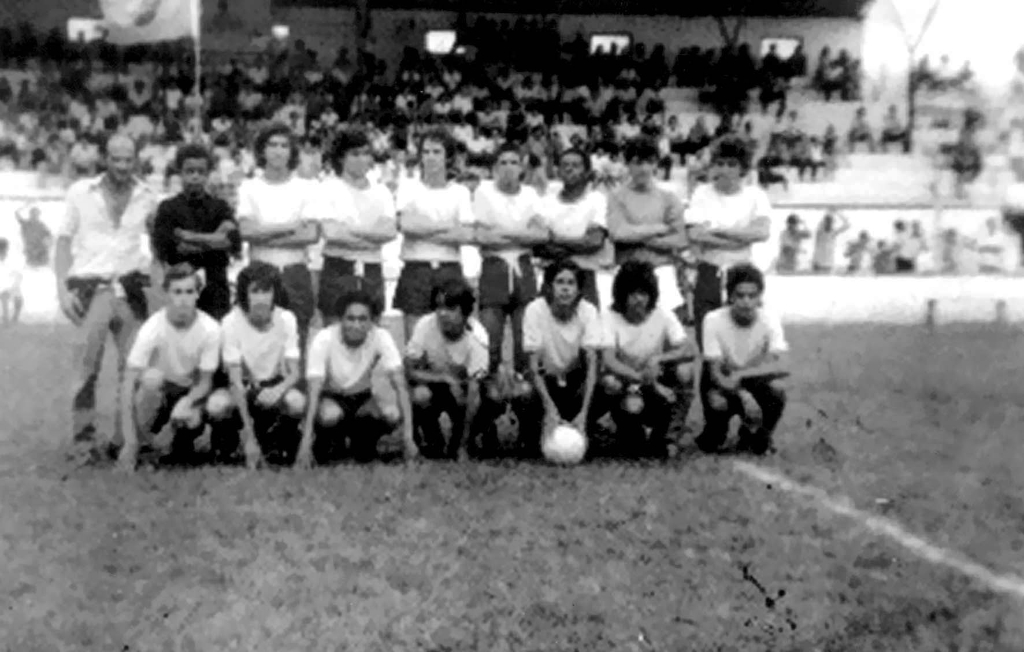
(779, 8)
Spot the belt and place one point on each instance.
(513, 267)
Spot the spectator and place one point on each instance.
(860, 131)
(907, 247)
(892, 129)
(859, 254)
(991, 248)
(825, 238)
(790, 244)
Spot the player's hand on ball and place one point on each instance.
(71, 307)
(580, 422)
(128, 457)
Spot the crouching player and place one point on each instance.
(260, 349)
(170, 371)
(744, 362)
(446, 358)
(648, 363)
(342, 408)
(562, 334)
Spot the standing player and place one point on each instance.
(197, 228)
(646, 222)
(648, 362)
(577, 217)
(562, 334)
(435, 217)
(10, 285)
(170, 371)
(275, 218)
(260, 349)
(728, 217)
(507, 225)
(446, 359)
(101, 271)
(358, 219)
(342, 360)
(745, 358)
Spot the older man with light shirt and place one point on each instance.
(102, 264)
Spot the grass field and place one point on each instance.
(689, 555)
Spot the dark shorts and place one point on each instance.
(298, 296)
(358, 432)
(904, 265)
(134, 284)
(171, 395)
(416, 284)
(426, 419)
(708, 295)
(496, 290)
(276, 432)
(339, 276)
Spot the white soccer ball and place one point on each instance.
(564, 445)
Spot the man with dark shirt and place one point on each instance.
(197, 228)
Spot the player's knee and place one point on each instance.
(219, 405)
(294, 403)
(192, 421)
(633, 404)
(152, 380)
(717, 401)
(611, 384)
(390, 413)
(685, 374)
(421, 396)
(330, 413)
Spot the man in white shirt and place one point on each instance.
(102, 268)
(562, 334)
(446, 359)
(648, 363)
(260, 350)
(725, 219)
(10, 285)
(342, 408)
(170, 372)
(359, 218)
(508, 224)
(577, 216)
(276, 216)
(745, 352)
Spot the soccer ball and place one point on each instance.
(564, 445)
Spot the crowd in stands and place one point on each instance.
(65, 98)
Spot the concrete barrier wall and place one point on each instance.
(798, 298)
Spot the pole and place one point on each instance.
(197, 89)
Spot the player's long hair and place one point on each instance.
(276, 129)
(551, 273)
(260, 276)
(634, 276)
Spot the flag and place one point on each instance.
(150, 21)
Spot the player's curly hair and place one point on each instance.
(190, 151)
(743, 273)
(357, 294)
(259, 276)
(642, 148)
(276, 129)
(634, 276)
(554, 269)
(445, 138)
(345, 142)
(453, 293)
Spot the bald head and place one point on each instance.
(121, 159)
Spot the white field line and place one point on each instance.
(1009, 584)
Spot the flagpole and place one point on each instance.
(197, 29)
